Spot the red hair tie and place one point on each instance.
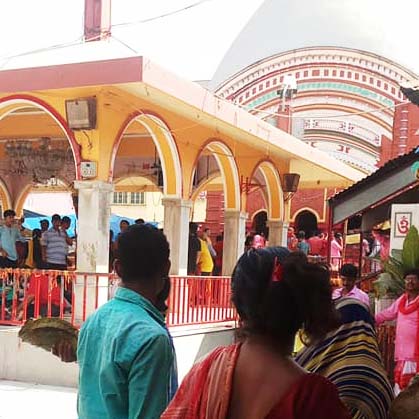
(277, 272)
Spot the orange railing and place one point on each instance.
(73, 295)
(199, 300)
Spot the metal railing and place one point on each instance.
(200, 300)
(73, 296)
(193, 300)
(386, 335)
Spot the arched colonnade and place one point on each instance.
(178, 161)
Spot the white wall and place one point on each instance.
(23, 362)
(50, 203)
(153, 209)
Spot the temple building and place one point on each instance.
(330, 76)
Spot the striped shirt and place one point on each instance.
(56, 244)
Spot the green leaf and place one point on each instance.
(410, 253)
(386, 284)
(391, 281)
(395, 268)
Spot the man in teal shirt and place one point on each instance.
(9, 235)
(124, 352)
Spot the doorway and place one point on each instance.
(306, 221)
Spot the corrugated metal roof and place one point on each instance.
(391, 166)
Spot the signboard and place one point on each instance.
(402, 223)
(403, 216)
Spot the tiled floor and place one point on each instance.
(23, 400)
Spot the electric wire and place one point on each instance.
(163, 15)
(80, 39)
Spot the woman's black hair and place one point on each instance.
(278, 309)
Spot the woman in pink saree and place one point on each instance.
(256, 377)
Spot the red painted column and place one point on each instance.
(97, 20)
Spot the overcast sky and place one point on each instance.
(191, 43)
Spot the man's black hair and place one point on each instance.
(9, 213)
(44, 221)
(124, 221)
(349, 270)
(36, 232)
(193, 227)
(55, 217)
(143, 252)
(139, 221)
(66, 219)
(413, 271)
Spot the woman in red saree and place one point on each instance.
(256, 378)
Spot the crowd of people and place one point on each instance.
(126, 354)
(44, 248)
(128, 365)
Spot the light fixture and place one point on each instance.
(289, 183)
(81, 113)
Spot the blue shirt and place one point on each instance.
(125, 358)
(8, 238)
(304, 247)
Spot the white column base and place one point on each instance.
(278, 231)
(234, 238)
(92, 245)
(176, 228)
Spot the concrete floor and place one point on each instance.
(24, 400)
(34, 401)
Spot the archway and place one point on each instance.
(36, 148)
(265, 176)
(306, 221)
(215, 179)
(5, 199)
(157, 157)
(138, 197)
(29, 113)
(215, 175)
(259, 225)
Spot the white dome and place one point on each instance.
(384, 27)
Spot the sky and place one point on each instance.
(191, 43)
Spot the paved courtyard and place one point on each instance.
(24, 400)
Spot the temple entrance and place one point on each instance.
(306, 221)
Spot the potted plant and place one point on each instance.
(390, 284)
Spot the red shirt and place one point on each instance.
(218, 247)
(316, 245)
(38, 286)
